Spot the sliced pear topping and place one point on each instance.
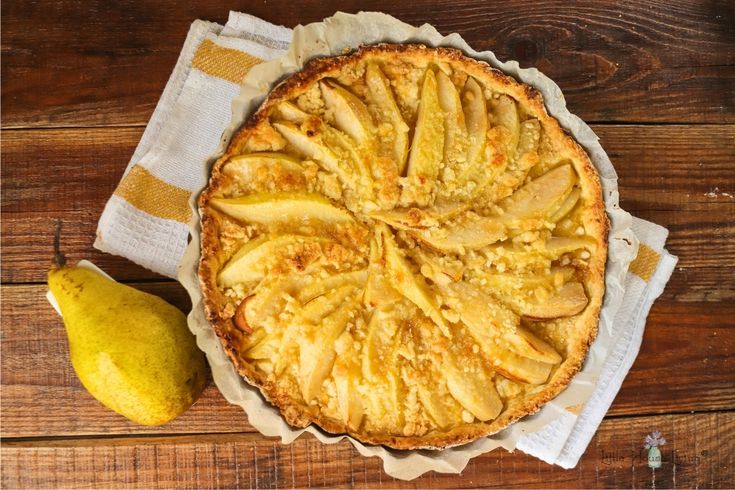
(541, 197)
(321, 306)
(323, 286)
(424, 161)
(519, 368)
(444, 411)
(455, 129)
(557, 246)
(272, 208)
(568, 300)
(317, 354)
(469, 231)
(313, 147)
(566, 206)
(493, 324)
(350, 113)
(470, 384)
(477, 169)
(378, 290)
(291, 113)
(346, 374)
(246, 164)
(505, 115)
(407, 283)
(251, 262)
(382, 97)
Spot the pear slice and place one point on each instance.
(427, 147)
(346, 375)
(251, 262)
(313, 147)
(382, 97)
(557, 246)
(350, 113)
(444, 411)
(491, 323)
(541, 197)
(291, 113)
(316, 309)
(455, 128)
(403, 280)
(505, 115)
(519, 368)
(322, 286)
(316, 353)
(273, 208)
(566, 207)
(477, 171)
(467, 382)
(469, 231)
(568, 300)
(245, 165)
(411, 219)
(378, 289)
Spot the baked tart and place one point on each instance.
(402, 245)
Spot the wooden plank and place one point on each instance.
(689, 342)
(658, 182)
(654, 60)
(698, 452)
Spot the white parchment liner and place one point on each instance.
(334, 36)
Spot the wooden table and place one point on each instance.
(655, 79)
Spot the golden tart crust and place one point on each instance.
(405, 292)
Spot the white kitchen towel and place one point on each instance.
(146, 218)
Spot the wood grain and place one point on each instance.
(653, 60)
(692, 343)
(699, 451)
(677, 176)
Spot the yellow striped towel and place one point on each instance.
(146, 218)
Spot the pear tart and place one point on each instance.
(403, 246)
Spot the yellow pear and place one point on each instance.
(131, 350)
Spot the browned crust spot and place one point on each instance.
(300, 415)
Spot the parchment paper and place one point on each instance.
(345, 32)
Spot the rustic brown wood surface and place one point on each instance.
(79, 82)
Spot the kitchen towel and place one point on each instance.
(146, 219)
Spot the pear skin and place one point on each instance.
(131, 350)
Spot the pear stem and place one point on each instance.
(59, 258)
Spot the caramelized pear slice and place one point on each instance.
(468, 231)
(381, 95)
(321, 306)
(245, 165)
(505, 115)
(541, 197)
(471, 232)
(314, 148)
(251, 262)
(273, 208)
(519, 368)
(566, 206)
(291, 113)
(568, 300)
(350, 114)
(469, 382)
(323, 286)
(557, 246)
(427, 146)
(455, 129)
(477, 169)
(316, 353)
(346, 375)
(492, 323)
(407, 283)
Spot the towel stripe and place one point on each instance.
(226, 63)
(645, 263)
(153, 196)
